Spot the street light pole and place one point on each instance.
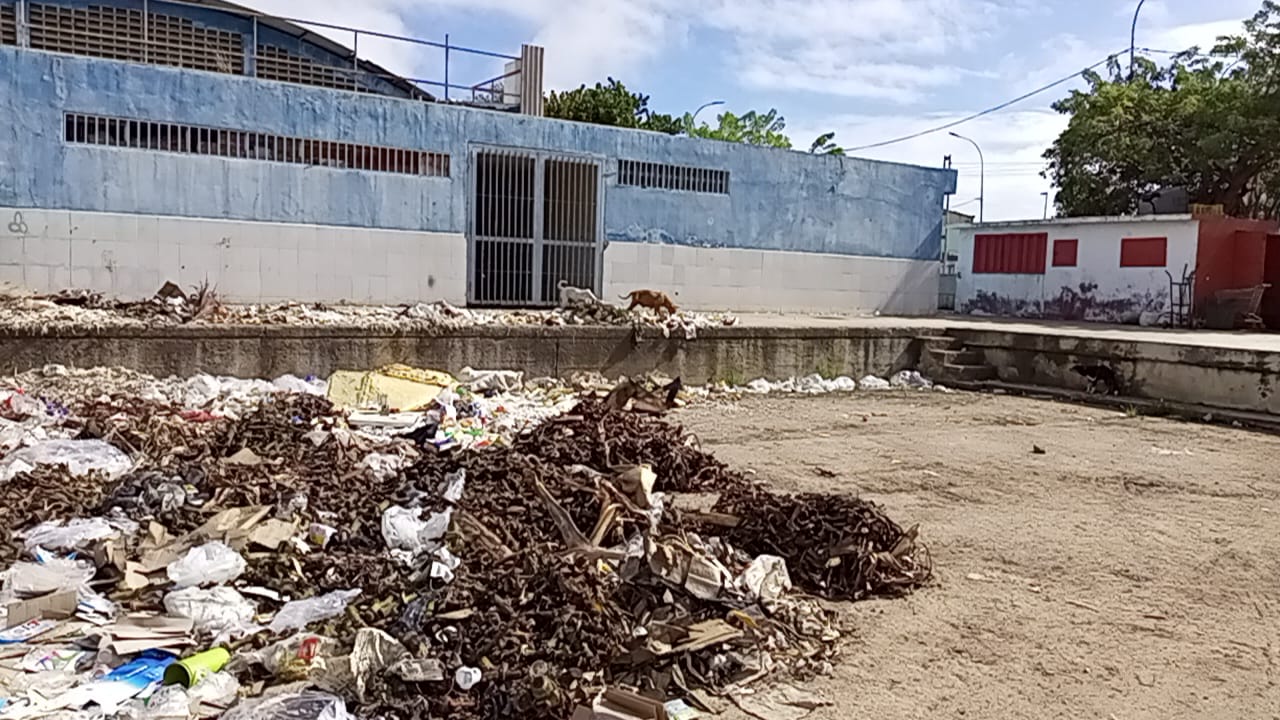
(982, 175)
(704, 106)
(1133, 36)
(1046, 204)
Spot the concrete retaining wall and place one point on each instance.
(1244, 380)
(735, 355)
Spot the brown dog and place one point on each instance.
(652, 299)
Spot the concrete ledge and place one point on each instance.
(734, 354)
(1232, 378)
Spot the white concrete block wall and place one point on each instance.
(1097, 265)
(768, 280)
(131, 256)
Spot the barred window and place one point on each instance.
(81, 129)
(634, 173)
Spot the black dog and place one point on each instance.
(1098, 375)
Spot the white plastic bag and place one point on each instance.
(295, 384)
(217, 689)
(221, 610)
(73, 534)
(910, 379)
(454, 484)
(80, 456)
(496, 380)
(383, 466)
(404, 529)
(51, 574)
(871, 382)
(210, 564)
(766, 578)
(301, 613)
(306, 705)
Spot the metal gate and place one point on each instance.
(535, 218)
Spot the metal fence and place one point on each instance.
(160, 32)
(536, 221)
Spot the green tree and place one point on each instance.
(826, 145)
(1209, 123)
(752, 128)
(609, 104)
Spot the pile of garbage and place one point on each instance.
(171, 306)
(402, 543)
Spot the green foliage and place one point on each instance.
(611, 104)
(1207, 122)
(751, 128)
(826, 145)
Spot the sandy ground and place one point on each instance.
(1131, 571)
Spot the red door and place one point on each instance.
(1271, 275)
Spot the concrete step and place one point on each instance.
(969, 373)
(940, 342)
(965, 356)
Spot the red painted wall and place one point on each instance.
(1271, 274)
(1231, 253)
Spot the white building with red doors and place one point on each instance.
(1111, 269)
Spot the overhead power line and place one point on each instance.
(988, 111)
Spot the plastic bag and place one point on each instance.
(80, 456)
(404, 529)
(455, 483)
(295, 384)
(495, 380)
(168, 703)
(50, 575)
(74, 534)
(221, 610)
(210, 564)
(301, 613)
(217, 689)
(306, 705)
(383, 466)
(911, 379)
(871, 382)
(766, 578)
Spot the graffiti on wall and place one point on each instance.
(1081, 302)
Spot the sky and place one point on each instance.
(869, 70)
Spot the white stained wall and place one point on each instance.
(131, 256)
(770, 280)
(1097, 263)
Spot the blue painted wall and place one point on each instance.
(778, 199)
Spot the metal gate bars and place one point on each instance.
(534, 219)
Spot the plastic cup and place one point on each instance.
(189, 671)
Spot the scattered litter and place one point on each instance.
(220, 611)
(210, 564)
(81, 457)
(467, 678)
(911, 379)
(871, 382)
(1167, 452)
(301, 613)
(486, 546)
